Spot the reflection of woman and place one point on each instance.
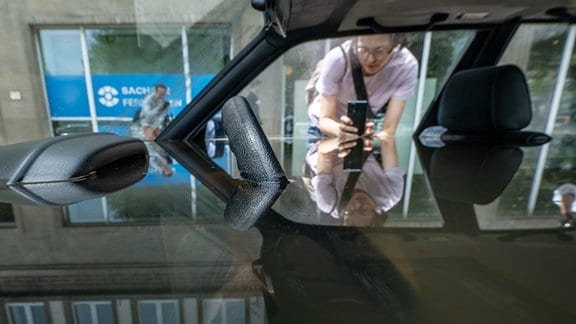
(376, 191)
(389, 73)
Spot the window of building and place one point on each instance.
(159, 312)
(6, 214)
(99, 77)
(26, 313)
(93, 312)
(220, 311)
(96, 79)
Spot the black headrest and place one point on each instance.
(475, 174)
(486, 99)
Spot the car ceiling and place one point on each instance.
(344, 15)
(291, 22)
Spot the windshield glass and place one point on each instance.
(288, 88)
(96, 75)
(103, 220)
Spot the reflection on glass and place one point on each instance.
(355, 198)
(126, 64)
(221, 311)
(295, 69)
(330, 275)
(64, 73)
(132, 51)
(93, 313)
(208, 48)
(6, 213)
(27, 313)
(162, 195)
(87, 212)
(538, 50)
(71, 126)
(123, 66)
(61, 52)
(158, 312)
(445, 50)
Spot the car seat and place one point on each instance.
(477, 149)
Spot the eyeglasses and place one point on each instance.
(378, 52)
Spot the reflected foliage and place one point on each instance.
(152, 203)
(126, 51)
(130, 51)
(209, 49)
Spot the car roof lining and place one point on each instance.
(305, 24)
(399, 13)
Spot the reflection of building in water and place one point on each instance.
(180, 273)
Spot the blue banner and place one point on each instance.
(122, 95)
(117, 95)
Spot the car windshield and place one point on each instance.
(176, 162)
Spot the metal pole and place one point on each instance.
(417, 113)
(88, 79)
(186, 61)
(556, 99)
(188, 81)
(104, 202)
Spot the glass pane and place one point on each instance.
(151, 201)
(105, 315)
(135, 51)
(213, 311)
(17, 314)
(538, 50)
(39, 314)
(147, 313)
(445, 50)
(67, 127)
(86, 212)
(126, 64)
(64, 73)
(208, 52)
(285, 82)
(235, 312)
(61, 52)
(6, 213)
(118, 127)
(208, 49)
(170, 314)
(82, 313)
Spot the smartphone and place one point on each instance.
(357, 111)
(353, 162)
